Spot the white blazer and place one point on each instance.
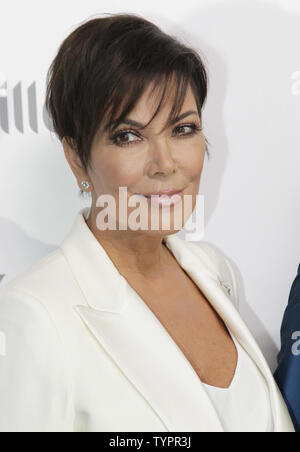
(83, 352)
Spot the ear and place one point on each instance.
(74, 160)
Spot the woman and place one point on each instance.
(127, 329)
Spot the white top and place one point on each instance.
(245, 405)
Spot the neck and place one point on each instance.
(135, 253)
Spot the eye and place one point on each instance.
(194, 128)
(117, 139)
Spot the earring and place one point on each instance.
(85, 184)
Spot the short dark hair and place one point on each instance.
(106, 63)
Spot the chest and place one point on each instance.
(195, 327)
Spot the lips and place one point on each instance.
(168, 192)
(164, 199)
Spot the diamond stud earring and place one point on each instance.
(85, 184)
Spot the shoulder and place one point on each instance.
(39, 300)
(26, 314)
(47, 268)
(23, 300)
(49, 278)
(219, 264)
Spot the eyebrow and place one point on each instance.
(131, 122)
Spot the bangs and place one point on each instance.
(162, 86)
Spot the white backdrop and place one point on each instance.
(251, 182)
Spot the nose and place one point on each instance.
(162, 160)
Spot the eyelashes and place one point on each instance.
(115, 139)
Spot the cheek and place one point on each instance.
(193, 161)
(115, 171)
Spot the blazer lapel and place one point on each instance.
(153, 363)
(138, 343)
(191, 258)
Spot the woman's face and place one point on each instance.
(149, 160)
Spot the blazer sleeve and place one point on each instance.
(287, 374)
(35, 388)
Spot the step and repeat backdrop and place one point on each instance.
(250, 182)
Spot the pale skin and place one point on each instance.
(155, 160)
